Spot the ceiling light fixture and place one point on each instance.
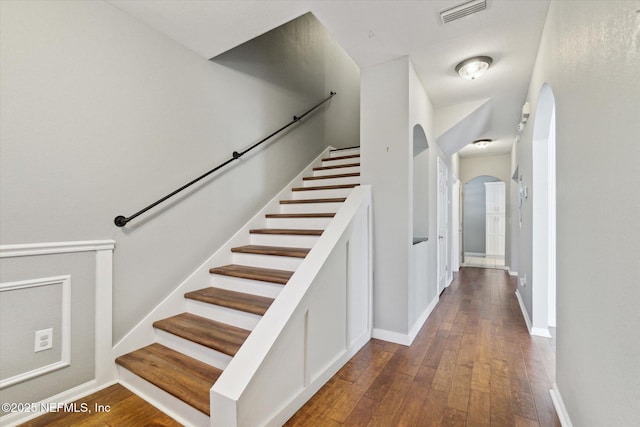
(473, 68)
(482, 143)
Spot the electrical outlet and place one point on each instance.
(43, 340)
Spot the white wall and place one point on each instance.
(393, 101)
(102, 115)
(589, 55)
(386, 153)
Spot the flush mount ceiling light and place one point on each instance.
(482, 143)
(473, 68)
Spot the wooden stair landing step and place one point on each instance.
(351, 156)
(347, 165)
(209, 333)
(343, 175)
(286, 231)
(325, 187)
(272, 250)
(298, 201)
(181, 376)
(254, 273)
(302, 215)
(249, 303)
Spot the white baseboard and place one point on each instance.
(16, 418)
(476, 254)
(406, 339)
(523, 309)
(511, 272)
(561, 410)
(540, 332)
(391, 336)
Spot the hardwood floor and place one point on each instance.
(124, 409)
(472, 364)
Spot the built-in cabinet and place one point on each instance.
(495, 218)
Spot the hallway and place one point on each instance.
(473, 363)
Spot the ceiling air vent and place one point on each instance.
(462, 10)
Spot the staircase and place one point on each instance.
(193, 348)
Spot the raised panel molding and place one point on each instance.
(65, 355)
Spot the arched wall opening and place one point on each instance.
(543, 262)
(420, 184)
(484, 219)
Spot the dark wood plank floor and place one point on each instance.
(124, 409)
(472, 364)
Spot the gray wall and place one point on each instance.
(589, 55)
(40, 308)
(102, 115)
(475, 224)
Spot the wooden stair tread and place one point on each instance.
(231, 299)
(325, 187)
(343, 175)
(209, 333)
(351, 156)
(287, 231)
(181, 376)
(298, 201)
(272, 250)
(344, 148)
(302, 215)
(348, 165)
(254, 273)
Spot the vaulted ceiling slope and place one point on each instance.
(373, 32)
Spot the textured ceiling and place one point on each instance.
(376, 31)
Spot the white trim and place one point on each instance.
(413, 333)
(15, 418)
(561, 409)
(31, 249)
(523, 309)
(65, 338)
(105, 368)
(391, 336)
(475, 254)
(540, 332)
(406, 339)
(511, 272)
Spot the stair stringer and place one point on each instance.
(143, 333)
(320, 319)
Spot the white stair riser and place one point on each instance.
(293, 241)
(302, 223)
(340, 161)
(267, 261)
(238, 318)
(256, 287)
(204, 354)
(172, 406)
(340, 153)
(321, 194)
(336, 171)
(310, 207)
(331, 181)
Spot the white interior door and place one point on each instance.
(495, 219)
(443, 225)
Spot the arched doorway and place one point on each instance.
(544, 215)
(484, 222)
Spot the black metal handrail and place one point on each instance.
(121, 220)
